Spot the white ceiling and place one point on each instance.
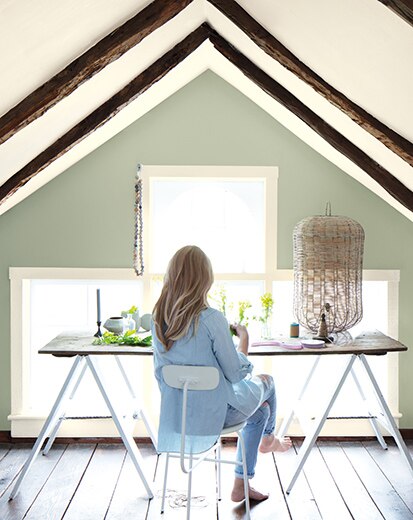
(360, 47)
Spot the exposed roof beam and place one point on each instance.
(170, 60)
(276, 50)
(107, 50)
(111, 107)
(390, 183)
(404, 8)
(154, 16)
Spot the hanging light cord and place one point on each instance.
(138, 245)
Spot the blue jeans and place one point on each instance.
(261, 422)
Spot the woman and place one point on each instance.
(187, 331)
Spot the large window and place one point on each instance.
(225, 217)
(231, 213)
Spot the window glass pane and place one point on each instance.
(230, 296)
(217, 215)
(64, 305)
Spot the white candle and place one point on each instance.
(98, 303)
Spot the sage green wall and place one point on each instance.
(72, 220)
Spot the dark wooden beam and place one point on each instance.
(88, 64)
(105, 112)
(404, 8)
(276, 50)
(159, 69)
(390, 183)
(154, 16)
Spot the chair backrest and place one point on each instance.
(193, 377)
(189, 377)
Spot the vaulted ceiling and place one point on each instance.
(338, 74)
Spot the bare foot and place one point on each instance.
(238, 494)
(271, 443)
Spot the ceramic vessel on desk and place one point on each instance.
(146, 321)
(115, 324)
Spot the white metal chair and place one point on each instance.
(199, 378)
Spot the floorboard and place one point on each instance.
(59, 490)
(4, 450)
(38, 476)
(379, 488)
(341, 480)
(323, 487)
(300, 501)
(351, 488)
(396, 470)
(129, 497)
(10, 465)
(98, 480)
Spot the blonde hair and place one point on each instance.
(187, 281)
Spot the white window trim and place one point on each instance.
(268, 173)
(23, 424)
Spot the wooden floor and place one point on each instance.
(342, 480)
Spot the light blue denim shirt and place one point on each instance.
(211, 345)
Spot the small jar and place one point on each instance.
(294, 330)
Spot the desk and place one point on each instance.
(366, 344)
(86, 356)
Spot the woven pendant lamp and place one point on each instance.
(328, 269)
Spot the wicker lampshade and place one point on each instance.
(328, 268)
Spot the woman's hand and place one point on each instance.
(239, 330)
(242, 333)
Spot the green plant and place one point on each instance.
(267, 304)
(219, 296)
(129, 338)
(132, 310)
(243, 306)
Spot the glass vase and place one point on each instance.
(266, 329)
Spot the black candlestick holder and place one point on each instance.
(99, 332)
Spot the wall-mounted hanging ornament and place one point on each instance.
(138, 242)
(328, 270)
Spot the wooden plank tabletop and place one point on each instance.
(75, 343)
(369, 342)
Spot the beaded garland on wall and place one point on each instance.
(138, 241)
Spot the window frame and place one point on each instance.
(270, 176)
(26, 424)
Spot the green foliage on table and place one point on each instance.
(267, 304)
(129, 338)
(132, 310)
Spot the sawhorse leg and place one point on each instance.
(53, 434)
(373, 420)
(126, 436)
(138, 412)
(311, 439)
(50, 422)
(390, 423)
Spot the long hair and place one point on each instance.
(187, 281)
